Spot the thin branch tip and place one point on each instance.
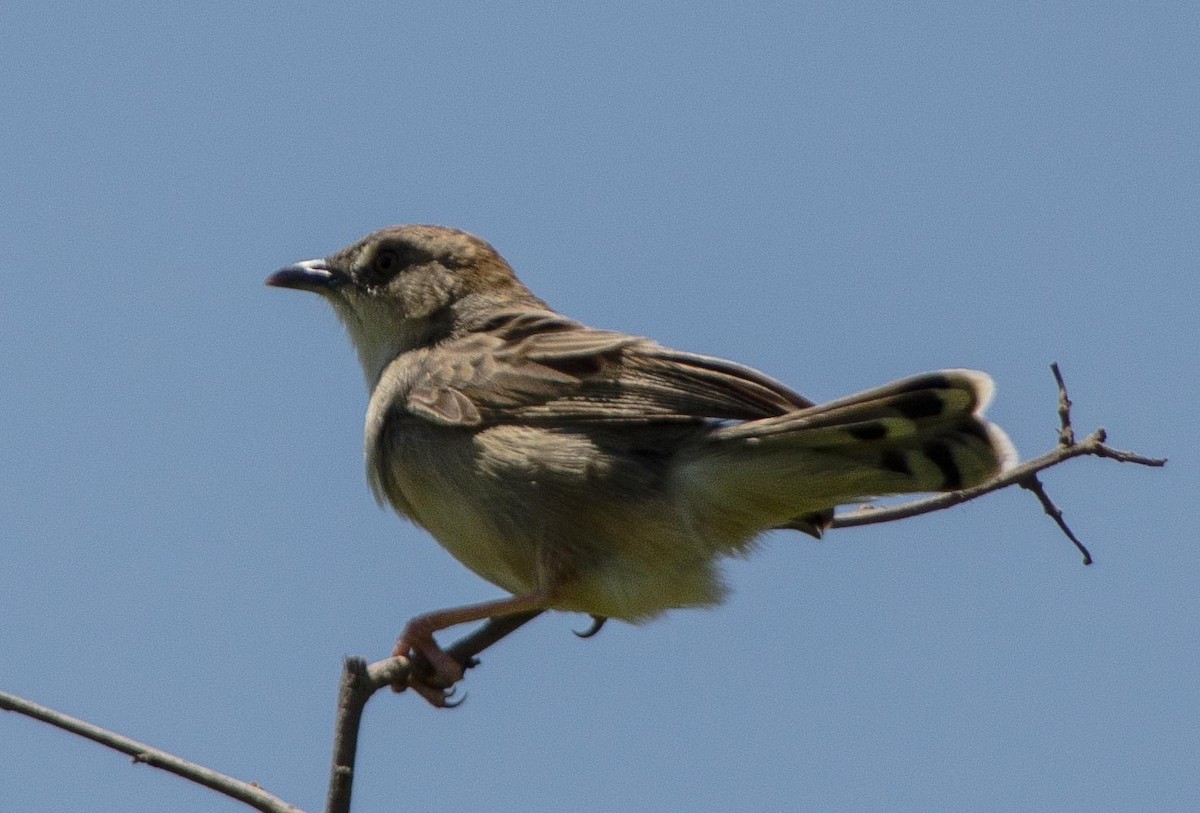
(1023, 474)
(1066, 433)
(1033, 484)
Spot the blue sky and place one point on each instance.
(837, 194)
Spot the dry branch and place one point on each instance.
(246, 792)
(1024, 475)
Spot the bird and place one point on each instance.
(594, 471)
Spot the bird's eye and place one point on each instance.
(385, 261)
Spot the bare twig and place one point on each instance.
(1055, 513)
(1066, 434)
(245, 792)
(353, 694)
(360, 681)
(1092, 445)
(466, 648)
(1023, 475)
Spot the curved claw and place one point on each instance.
(438, 698)
(598, 622)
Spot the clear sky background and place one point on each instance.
(838, 194)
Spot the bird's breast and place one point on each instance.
(522, 505)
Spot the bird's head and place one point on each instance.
(407, 286)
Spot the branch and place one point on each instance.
(360, 682)
(1024, 475)
(246, 792)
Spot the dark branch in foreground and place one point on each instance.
(360, 681)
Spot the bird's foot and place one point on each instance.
(433, 672)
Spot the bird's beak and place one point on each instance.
(310, 275)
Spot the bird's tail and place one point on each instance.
(921, 434)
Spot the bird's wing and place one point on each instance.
(541, 368)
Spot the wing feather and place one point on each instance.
(542, 368)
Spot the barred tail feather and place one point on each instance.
(921, 434)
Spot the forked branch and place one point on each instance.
(1024, 475)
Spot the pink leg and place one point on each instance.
(417, 637)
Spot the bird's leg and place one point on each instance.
(436, 685)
